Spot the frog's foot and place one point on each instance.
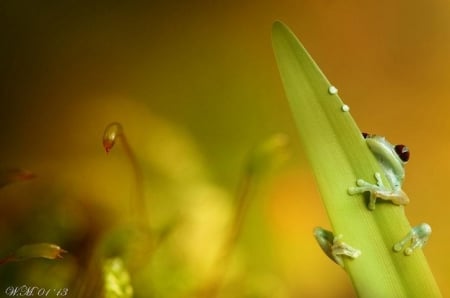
(417, 238)
(378, 190)
(340, 248)
(334, 247)
(374, 189)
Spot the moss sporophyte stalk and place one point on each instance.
(114, 132)
(353, 171)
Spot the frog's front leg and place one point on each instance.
(334, 247)
(378, 190)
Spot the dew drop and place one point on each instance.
(332, 90)
(345, 108)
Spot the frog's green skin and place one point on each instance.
(334, 247)
(392, 160)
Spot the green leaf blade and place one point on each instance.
(339, 156)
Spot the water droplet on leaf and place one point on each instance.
(332, 90)
(345, 108)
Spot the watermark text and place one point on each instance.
(34, 291)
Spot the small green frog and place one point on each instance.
(334, 247)
(392, 159)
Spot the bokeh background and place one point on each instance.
(195, 85)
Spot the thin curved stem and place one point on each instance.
(139, 211)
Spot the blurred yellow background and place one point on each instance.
(195, 85)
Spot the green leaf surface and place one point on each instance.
(339, 156)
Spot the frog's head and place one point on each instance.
(392, 157)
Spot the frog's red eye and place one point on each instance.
(402, 152)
